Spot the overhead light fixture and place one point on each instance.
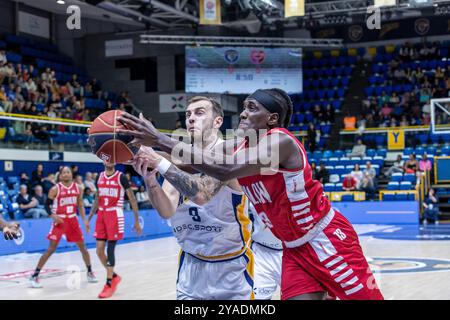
(60, 2)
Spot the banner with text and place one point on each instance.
(210, 12)
(116, 48)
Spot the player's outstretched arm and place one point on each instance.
(198, 188)
(270, 151)
(164, 199)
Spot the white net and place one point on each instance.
(440, 116)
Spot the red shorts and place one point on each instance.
(331, 262)
(110, 224)
(70, 227)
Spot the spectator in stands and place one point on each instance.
(48, 182)
(132, 184)
(88, 198)
(25, 180)
(4, 101)
(42, 134)
(359, 150)
(89, 182)
(79, 181)
(323, 175)
(311, 134)
(314, 170)
(96, 88)
(368, 187)
(40, 196)
(349, 183)
(37, 176)
(358, 175)
(349, 122)
(3, 59)
(425, 163)
(397, 166)
(431, 211)
(328, 115)
(74, 169)
(412, 165)
(29, 205)
(143, 199)
(370, 171)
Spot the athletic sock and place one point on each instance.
(108, 282)
(36, 273)
(89, 269)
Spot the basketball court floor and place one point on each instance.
(410, 262)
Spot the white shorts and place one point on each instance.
(267, 271)
(223, 280)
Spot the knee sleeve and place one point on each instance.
(110, 253)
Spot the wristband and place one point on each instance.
(163, 166)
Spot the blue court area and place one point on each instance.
(411, 232)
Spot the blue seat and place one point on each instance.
(405, 185)
(338, 153)
(411, 196)
(382, 152)
(397, 177)
(388, 197)
(409, 177)
(329, 187)
(348, 197)
(423, 138)
(401, 197)
(370, 152)
(393, 185)
(407, 151)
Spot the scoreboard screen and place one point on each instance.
(242, 70)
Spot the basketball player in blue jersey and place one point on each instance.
(268, 251)
(209, 218)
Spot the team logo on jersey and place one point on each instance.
(407, 265)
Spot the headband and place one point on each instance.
(267, 101)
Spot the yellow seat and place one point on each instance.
(352, 52)
(372, 51)
(335, 53)
(2, 133)
(390, 48)
(317, 54)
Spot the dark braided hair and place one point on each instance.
(283, 99)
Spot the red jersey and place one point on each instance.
(290, 202)
(65, 202)
(111, 190)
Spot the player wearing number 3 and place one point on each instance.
(210, 219)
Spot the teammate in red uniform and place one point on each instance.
(109, 226)
(10, 230)
(322, 253)
(64, 198)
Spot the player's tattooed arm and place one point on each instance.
(200, 189)
(94, 207)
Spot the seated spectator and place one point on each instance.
(349, 183)
(89, 182)
(322, 175)
(314, 170)
(37, 176)
(132, 184)
(370, 171)
(397, 167)
(25, 180)
(48, 182)
(29, 205)
(88, 198)
(40, 196)
(430, 204)
(311, 134)
(368, 187)
(349, 122)
(425, 163)
(358, 175)
(79, 181)
(143, 199)
(412, 165)
(359, 150)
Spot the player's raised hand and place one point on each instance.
(141, 129)
(11, 231)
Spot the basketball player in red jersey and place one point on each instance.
(322, 253)
(61, 205)
(10, 230)
(109, 226)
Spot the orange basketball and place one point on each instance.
(106, 143)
